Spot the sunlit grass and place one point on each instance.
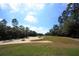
(59, 46)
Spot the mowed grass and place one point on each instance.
(60, 46)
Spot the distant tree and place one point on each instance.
(32, 33)
(3, 29)
(15, 29)
(40, 34)
(54, 30)
(4, 22)
(27, 32)
(60, 20)
(48, 33)
(22, 31)
(14, 22)
(68, 22)
(8, 33)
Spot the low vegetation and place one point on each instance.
(59, 46)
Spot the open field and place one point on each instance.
(60, 46)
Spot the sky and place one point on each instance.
(39, 17)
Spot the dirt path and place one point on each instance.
(75, 39)
(24, 40)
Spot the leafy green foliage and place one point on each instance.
(68, 22)
(14, 22)
(8, 32)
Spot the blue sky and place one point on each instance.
(39, 17)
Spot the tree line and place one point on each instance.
(68, 22)
(14, 31)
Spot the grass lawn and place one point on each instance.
(60, 46)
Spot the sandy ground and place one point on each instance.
(75, 39)
(24, 40)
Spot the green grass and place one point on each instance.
(60, 46)
(61, 39)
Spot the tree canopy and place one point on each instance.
(8, 32)
(68, 22)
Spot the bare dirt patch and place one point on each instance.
(25, 40)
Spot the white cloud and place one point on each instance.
(15, 5)
(37, 29)
(31, 13)
(1, 19)
(39, 6)
(23, 1)
(40, 1)
(31, 18)
(3, 6)
(32, 6)
(35, 6)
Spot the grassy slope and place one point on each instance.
(59, 46)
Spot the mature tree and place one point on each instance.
(68, 22)
(32, 33)
(15, 28)
(27, 31)
(14, 22)
(4, 22)
(60, 20)
(3, 29)
(22, 31)
(54, 30)
(8, 32)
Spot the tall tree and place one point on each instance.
(22, 31)
(14, 22)
(4, 22)
(71, 23)
(3, 29)
(27, 31)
